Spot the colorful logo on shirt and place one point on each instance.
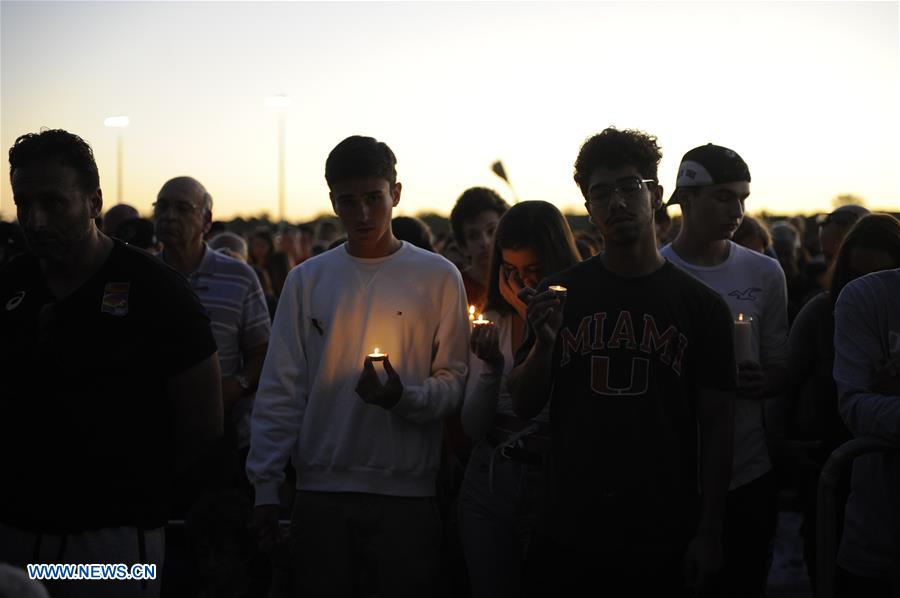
(593, 335)
(115, 299)
(746, 294)
(15, 300)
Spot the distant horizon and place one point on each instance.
(808, 93)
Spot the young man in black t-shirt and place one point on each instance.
(110, 379)
(637, 360)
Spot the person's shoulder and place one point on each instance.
(817, 309)
(225, 264)
(583, 271)
(19, 266)
(326, 259)
(880, 278)
(145, 270)
(141, 262)
(884, 284)
(754, 259)
(429, 260)
(668, 252)
(674, 279)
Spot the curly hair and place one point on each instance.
(472, 202)
(57, 145)
(358, 156)
(613, 149)
(538, 225)
(880, 232)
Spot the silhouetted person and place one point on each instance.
(414, 230)
(712, 187)
(637, 360)
(115, 216)
(365, 443)
(231, 245)
(872, 244)
(140, 233)
(474, 219)
(867, 374)
(500, 499)
(753, 235)
(110, 379)
(232, 296)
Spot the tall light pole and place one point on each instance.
(118, 122)
(280, 103)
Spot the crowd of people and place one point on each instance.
(362, 408)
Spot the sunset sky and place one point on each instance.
(808, 93)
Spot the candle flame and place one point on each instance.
(740, 317)
(377, 351)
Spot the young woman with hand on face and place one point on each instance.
(499, 498)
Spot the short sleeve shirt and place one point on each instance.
(630, 358)
(85, 422)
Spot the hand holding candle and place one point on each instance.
(544, 313)
(743, 339)
(370, 388)
(558, 289)
(485, 343)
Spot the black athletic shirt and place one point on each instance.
(85, 422)
(630, 357)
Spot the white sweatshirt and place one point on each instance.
(334, 310)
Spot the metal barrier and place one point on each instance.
(837, 466)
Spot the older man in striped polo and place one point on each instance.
(230, 292)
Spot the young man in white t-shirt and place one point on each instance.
(713, 184)
(365, 443)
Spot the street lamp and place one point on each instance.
(118, 122)
(280, 103)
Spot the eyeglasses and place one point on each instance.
(181, 207)
(626, 188)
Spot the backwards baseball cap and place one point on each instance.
(709, 165)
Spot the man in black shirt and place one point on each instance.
(110, 379)
(637, 360)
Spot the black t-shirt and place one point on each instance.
(85, 420)
(629, 360)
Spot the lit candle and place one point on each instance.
(377, 355)
(471, 313)
(743, 335)
(559, 290)
(480, 321)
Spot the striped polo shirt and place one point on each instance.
(239, 318)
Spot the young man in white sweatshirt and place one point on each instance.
(365, 444)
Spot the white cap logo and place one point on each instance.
(15, 301)
(693, 174)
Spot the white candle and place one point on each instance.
(480, 321)
(377, 355)
(743, 337)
